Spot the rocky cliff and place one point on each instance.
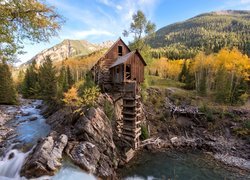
(85, 136)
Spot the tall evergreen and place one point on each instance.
(31, 86)
(70, 77)
(63, 84)
(184, 71)
(8, 94)
(190, 78)
(47, 81)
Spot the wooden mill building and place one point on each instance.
(121, 70)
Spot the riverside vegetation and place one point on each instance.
(216, 82)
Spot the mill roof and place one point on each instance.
(124, 58)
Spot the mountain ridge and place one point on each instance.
(208, 31)
(66, 49)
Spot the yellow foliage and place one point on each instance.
(234, 62)
(167, 68)
(71, 97)
(90, 95)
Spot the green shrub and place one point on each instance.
(90, 95)
(247, 124)
(243, 98)
(144, 132)
(209, 113)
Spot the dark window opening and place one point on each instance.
(128, 71)
(117, 70)
(119, 50)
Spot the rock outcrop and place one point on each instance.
(46, 157)
(90, 137)
(95, 139)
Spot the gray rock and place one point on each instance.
(84, 154)
(233, 161)
(93, 132)
(33, 118)
(46, 156)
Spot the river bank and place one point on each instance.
(8, 113)
(178, 124)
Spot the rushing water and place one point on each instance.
(178, 166)
(30, 126)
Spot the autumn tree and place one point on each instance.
(71, 97)
(234, 70)
(21, 20)
(141, 29)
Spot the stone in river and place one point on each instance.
(46, 156)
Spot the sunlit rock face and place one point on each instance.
(46, 157)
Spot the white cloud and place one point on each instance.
(91, 32)
(236, 4)
(93, 22)
(245, 1)
(119, 7)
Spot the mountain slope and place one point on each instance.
(66, 49)
(209, 32)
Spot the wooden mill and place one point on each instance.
(121, 71)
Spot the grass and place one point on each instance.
(159, 82)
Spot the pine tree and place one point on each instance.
(31, 86)
(156, 73)
(190, 79)
(47, 81)
(8, 93)
(19, 82)
(183, 75)
(63, 84)
(69, 77)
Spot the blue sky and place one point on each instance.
(102, 20)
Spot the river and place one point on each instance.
(30, 125)
(174, 165)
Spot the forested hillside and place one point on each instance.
(208, 32)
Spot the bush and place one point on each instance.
(144, 132)
(208, 113)
(90, 95)
(247, 124)
(243, 98)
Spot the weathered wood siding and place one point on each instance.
(117, 77)
(137, 68)
(113, 52)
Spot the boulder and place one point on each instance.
(33, 118)
(46, 156)
(84, 154)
